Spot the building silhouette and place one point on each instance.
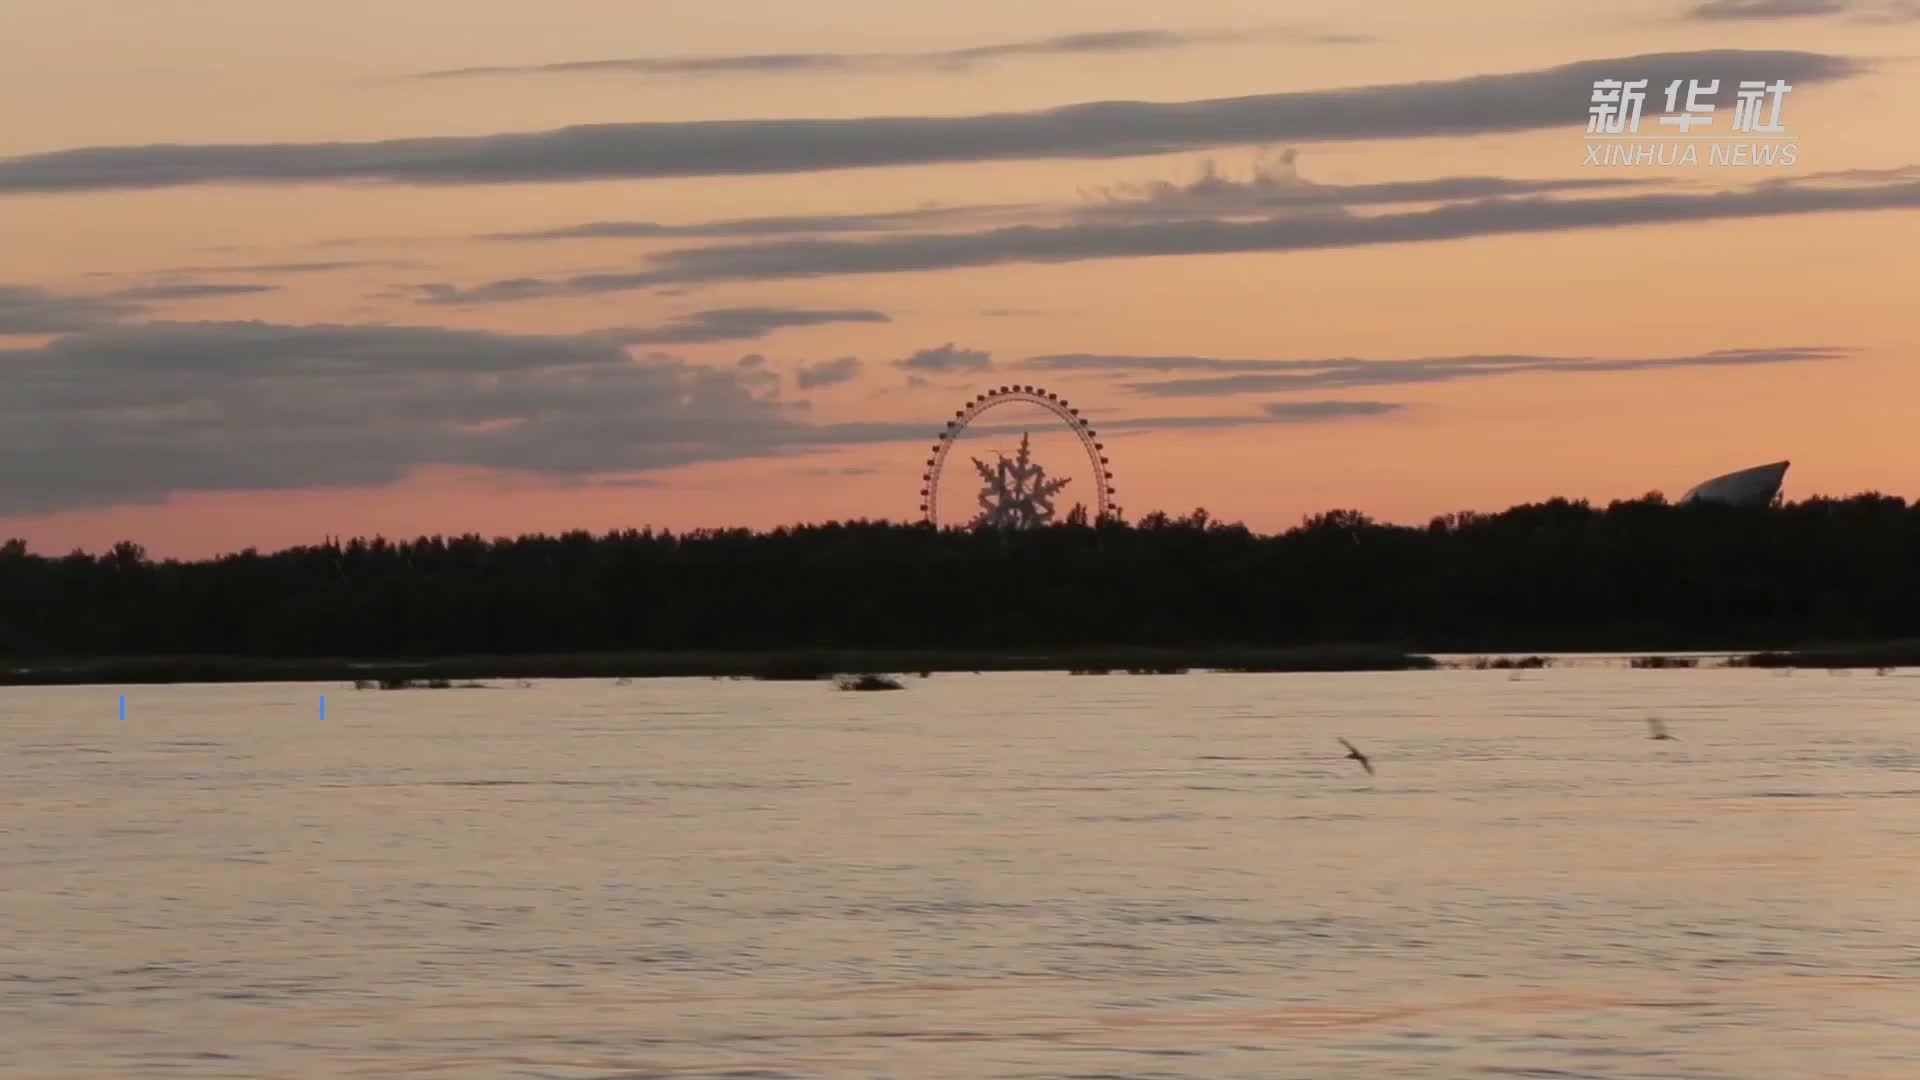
(1756, 486)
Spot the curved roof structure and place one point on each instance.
(1749, 487)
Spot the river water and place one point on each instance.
(1002, 875)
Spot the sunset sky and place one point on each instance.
(273, 271)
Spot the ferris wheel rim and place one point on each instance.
(1058, 406)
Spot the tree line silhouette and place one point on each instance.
(1634, 575)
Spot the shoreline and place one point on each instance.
(821, 664)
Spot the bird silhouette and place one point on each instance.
(1657, 729)
(1354, 753)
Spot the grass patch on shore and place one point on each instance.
(870, 682)
(1509, 663)
(1655, 662)
(1882, 655)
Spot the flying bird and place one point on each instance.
(1657, 729)
(1354, 753)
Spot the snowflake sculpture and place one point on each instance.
(1016, 494)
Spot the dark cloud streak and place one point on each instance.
(1730, 10)
(1276, 186)
(946, 358)
(738, 324)
(948, 60)
(879, 221)
(827, 373)
(1083, 242)
(191, 291)
(27, 309)
(1482, 104)
(31, 310)
(1304, 412)
(1881, 12)
(1214, 376)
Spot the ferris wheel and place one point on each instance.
(1017, 493)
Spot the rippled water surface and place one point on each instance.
(1020, 875)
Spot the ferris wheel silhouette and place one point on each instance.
(1018, 493)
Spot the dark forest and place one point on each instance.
(1640, 575)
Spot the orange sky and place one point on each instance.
(240, 72)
